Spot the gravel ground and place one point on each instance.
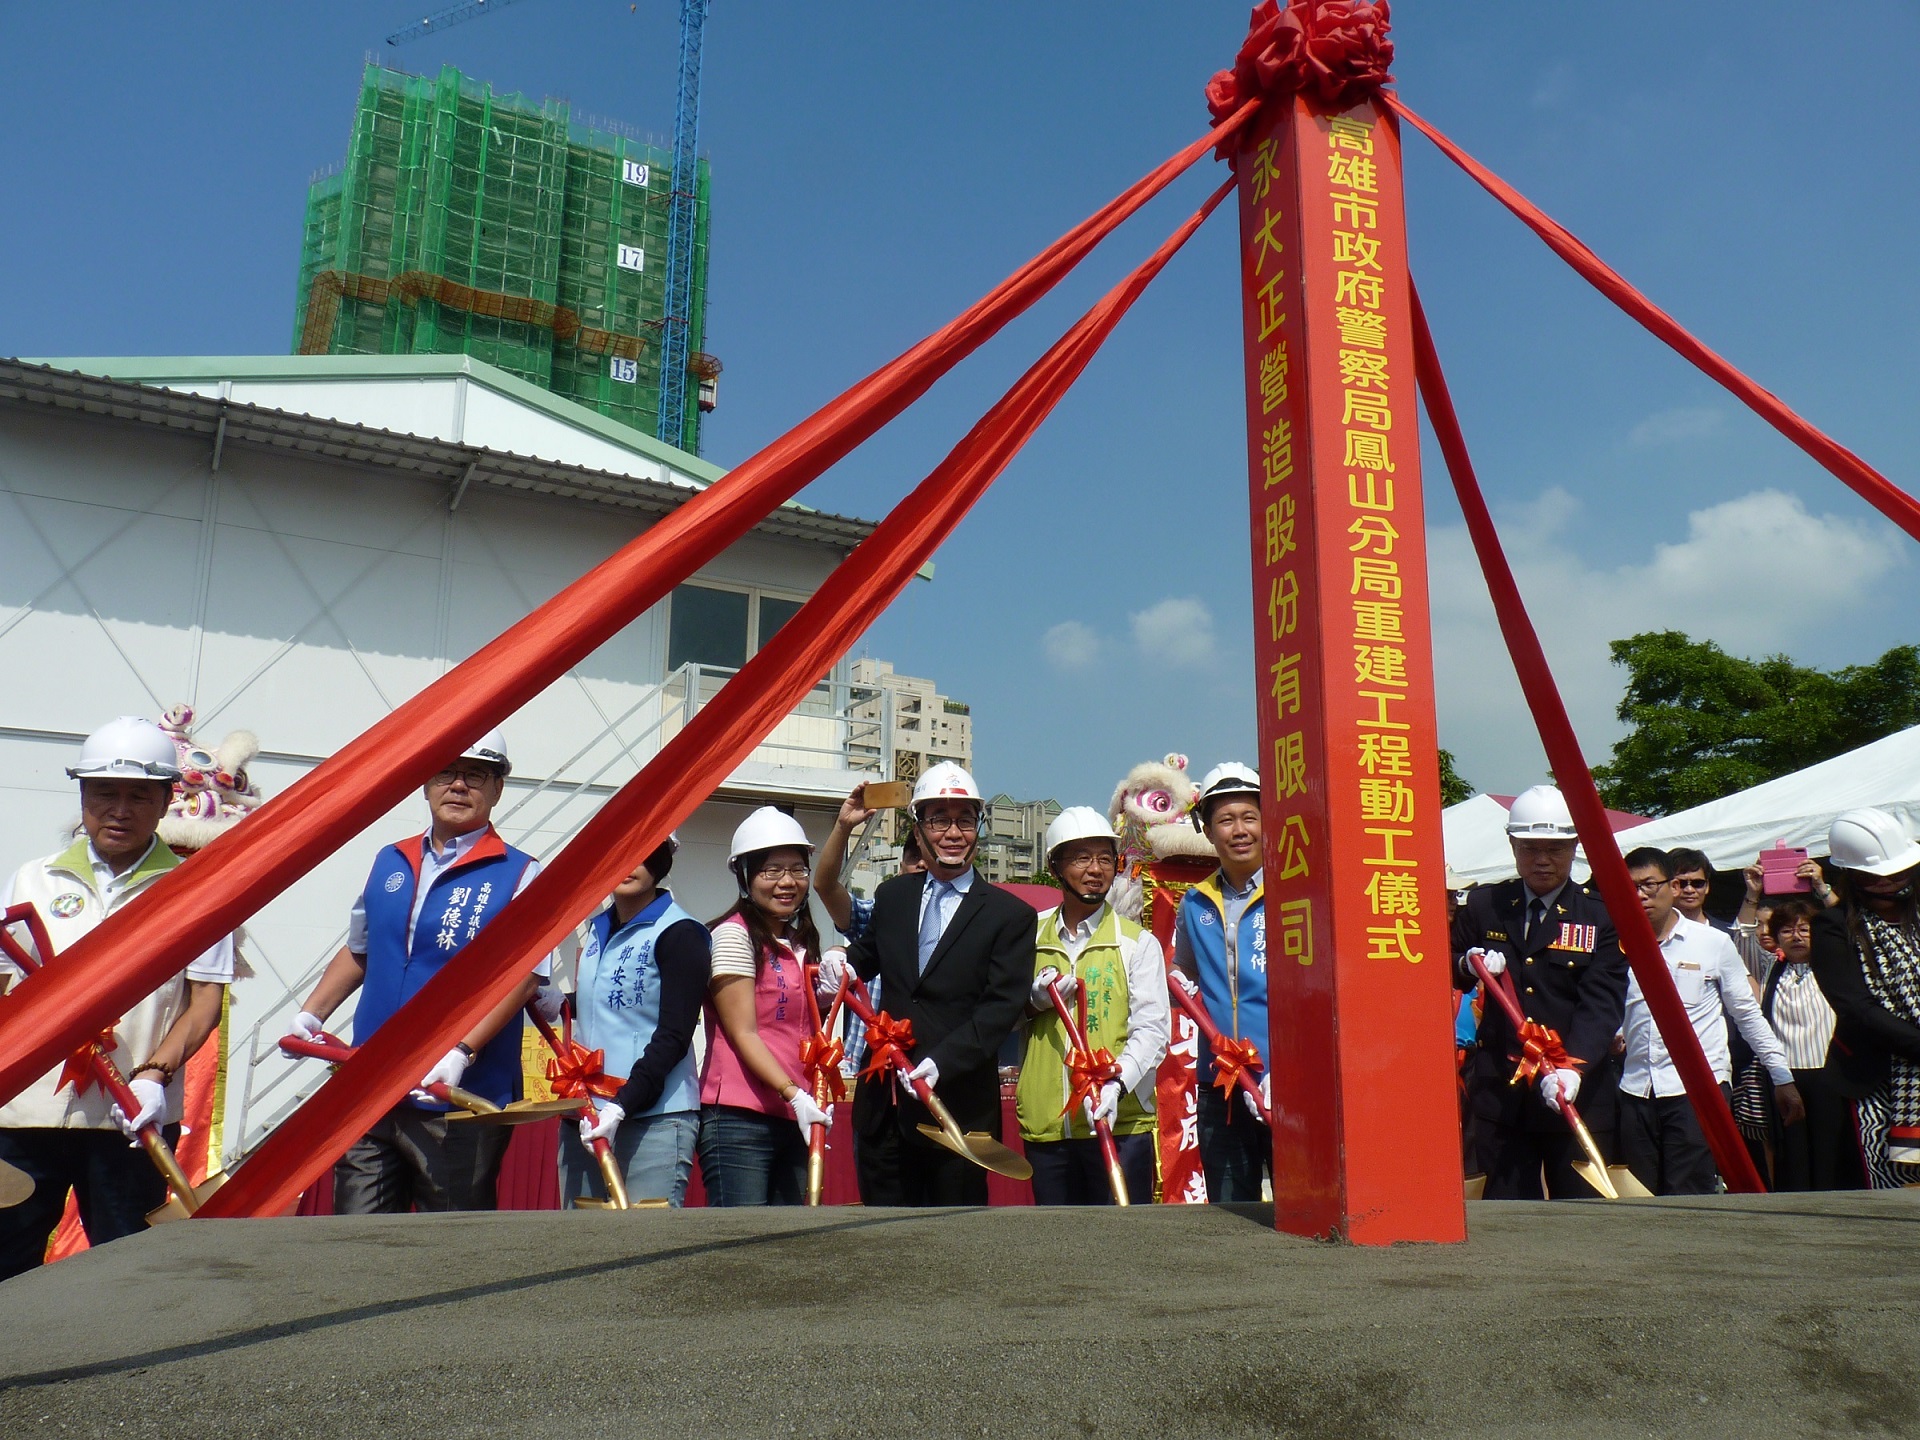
(1786, 1315)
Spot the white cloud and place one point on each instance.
(1677, 426)
(1071, 645)
(1757, 575)
(1176, 633)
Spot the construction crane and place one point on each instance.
(677, 359)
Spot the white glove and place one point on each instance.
(834, 971)
(1492, 959)
(1041, 999)
(601, 1124)
(926, 1070)
(1109, 1104)
(548, 1001)
(306, 1026)
(1560, 1085)
(152, 1096)
(1258, 1108)
(452, 1066)
(808, 1114)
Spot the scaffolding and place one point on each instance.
(470, 222)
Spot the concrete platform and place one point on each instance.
(1788, 1316)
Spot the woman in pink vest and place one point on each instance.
(755, 1111)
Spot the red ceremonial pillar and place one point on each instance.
(1366, 1127)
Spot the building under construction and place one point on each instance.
(470, 222)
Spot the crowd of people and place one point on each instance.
(1807, 1006)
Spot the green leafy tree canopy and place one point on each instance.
(1453, 789)
(1708, 724)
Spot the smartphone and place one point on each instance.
(886, 794)
(1779, 867)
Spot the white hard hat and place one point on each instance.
(767, 829)
(492, 748)
(1872, 842)
(130, 748)
(1540, 813)
(945, 781)
(1229, 777)
(1079, 822)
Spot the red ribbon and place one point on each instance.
(1230, 1058)
(579, 1072)
(1335, 50)
(78, 1071)
(1087, 1073)
(1541, 1052)
(820, 1058)
(888, 1040)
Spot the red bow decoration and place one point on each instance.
(888, 1040)
(78, 1071)
(1541, 1053)
(580, 1072)
(820, 1058)
(1087, 1073)
(1334, 50)
(1230, 1058)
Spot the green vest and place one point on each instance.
(1042, 1092)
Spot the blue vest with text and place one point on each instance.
(1236, 995)
(617, 1005)
(463, 898)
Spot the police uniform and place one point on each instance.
(1570, 975)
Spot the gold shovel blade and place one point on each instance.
(1476, 1187)
(983, 1150)
(521, 1112)
(16, 1186)
(173, 1210)
(1627, 1183)
(1597, 1177)
(589, 1202)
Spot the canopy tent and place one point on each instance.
(1476, 836)
(1799, 808)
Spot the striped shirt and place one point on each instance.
(1801, 1017)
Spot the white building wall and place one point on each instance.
(304, 600)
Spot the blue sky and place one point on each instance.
(877, 166)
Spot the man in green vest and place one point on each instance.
(1112, 974)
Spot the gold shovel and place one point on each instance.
(982, 1149)
(15, 1186)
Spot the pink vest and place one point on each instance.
(780, 1007)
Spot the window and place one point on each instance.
(707, 625)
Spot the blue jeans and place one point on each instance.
(654, 1152)
(747, 1158)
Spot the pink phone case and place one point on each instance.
(1779, 863)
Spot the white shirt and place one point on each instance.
(1712, 982)
(1149, 1023)
(432, 863)
(213, 965)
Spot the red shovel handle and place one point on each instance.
(1195, 1009)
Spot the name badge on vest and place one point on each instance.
(1576, 937)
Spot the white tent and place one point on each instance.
(1799, 808)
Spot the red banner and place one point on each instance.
(1366, 1134)
(1176, 1087)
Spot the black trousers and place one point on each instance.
(1074, 1172)
(1822, 1152)
(1662, 1143)
(900, 1166)
(114, 1184)
(1236, 1150)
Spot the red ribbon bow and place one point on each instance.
(888, 1040)
(580, 1072)
(1230, 1058)
(78, 1071)
(1087, 1073)
(1335, 50)
(1541, 1053)
(820, 1058)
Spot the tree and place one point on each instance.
(1707, 724)
(1452, 788)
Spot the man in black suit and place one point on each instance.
(1555, 939)
(955, 957)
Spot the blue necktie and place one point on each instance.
(930, 921)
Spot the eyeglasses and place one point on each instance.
(1690, 884)
(1801, 928)
(1651, 887)
(782, 872)
(472, 776)
(936, 825)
